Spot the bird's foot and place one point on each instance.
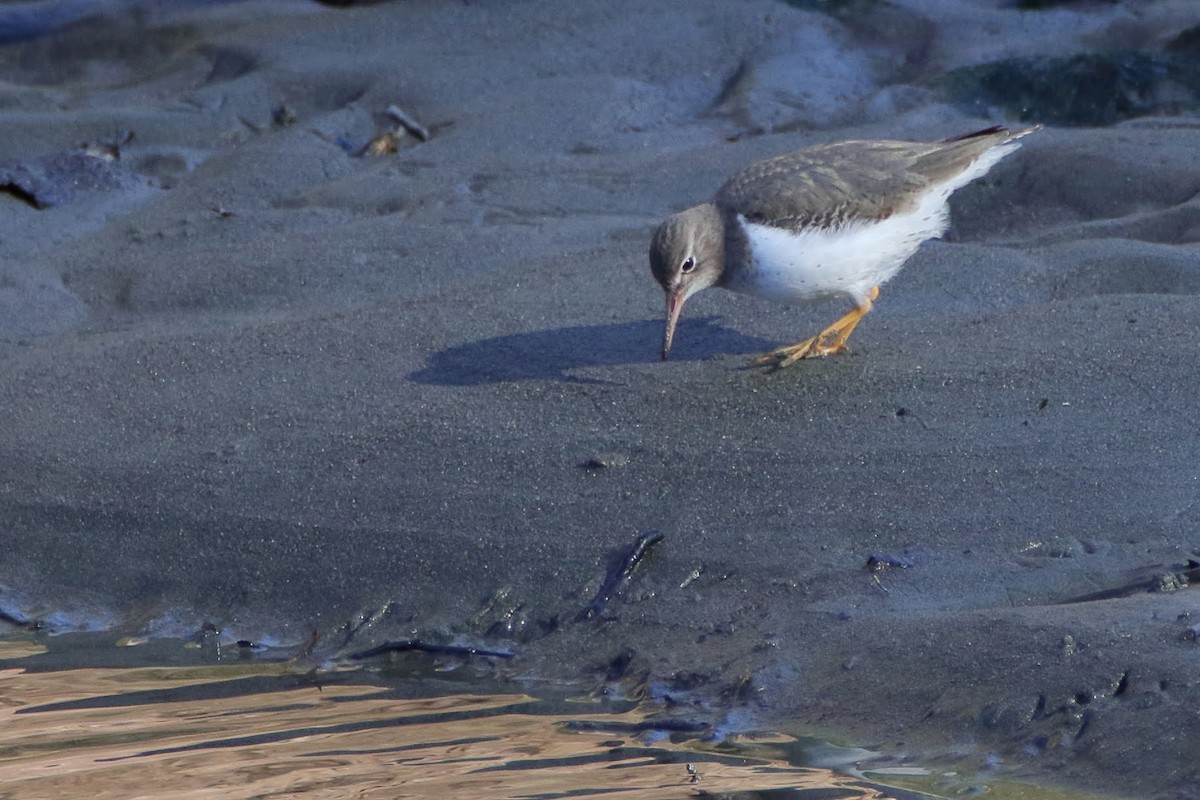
(828, 342)
(810, 348)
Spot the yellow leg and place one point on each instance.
(826, 343)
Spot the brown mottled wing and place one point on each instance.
(827, 185)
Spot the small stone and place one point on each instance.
(1171, 582)
(283, 115)
(606, 461)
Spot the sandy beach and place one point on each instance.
(276, 361)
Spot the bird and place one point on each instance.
(828, 220)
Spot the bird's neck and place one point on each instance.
(733, 246)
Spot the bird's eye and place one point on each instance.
(688, 265)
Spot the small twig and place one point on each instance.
(416, 645)
(408, 123)
(621, 572)
(307, 648)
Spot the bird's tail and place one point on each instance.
(992, 131)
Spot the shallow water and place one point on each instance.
(253, 729)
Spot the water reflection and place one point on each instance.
(267, 730)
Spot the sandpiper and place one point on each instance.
(834, 219)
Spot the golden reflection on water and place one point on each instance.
(254, 731)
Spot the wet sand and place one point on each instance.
(254, 378)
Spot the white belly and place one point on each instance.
(850, 260)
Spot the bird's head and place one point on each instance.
(687, 254)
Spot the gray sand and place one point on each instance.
(252, 378)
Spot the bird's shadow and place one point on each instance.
(552, 354)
